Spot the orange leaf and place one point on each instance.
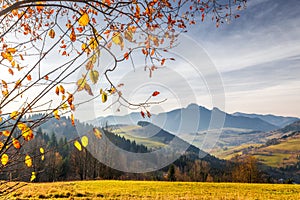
(28, 77)
(72, 119)
(16, 143)
(57, 90)
(51, 33)
(73, 36)
(62, 89)
(126, 55)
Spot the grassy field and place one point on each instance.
(153, 190)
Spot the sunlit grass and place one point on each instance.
(154, 190)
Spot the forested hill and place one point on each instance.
(65, 162)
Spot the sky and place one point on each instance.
(256, 57)
(251, 65)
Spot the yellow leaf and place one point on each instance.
(33, 176)
(81, 84)
(42, 151)
(64, 106)
(0, 119)
(104, 97)
(28, 161)
(22, 126)
(97, 133)
(84, 19)
(27, 134)
(84, 141)
(51, 33)
(94, 75)
(93, 44)
(118, 40)
(4, 159)
(14, 115)
(78, 145)
(6, 133)
(56, 115)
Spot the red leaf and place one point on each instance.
(148, 114)
(143, 114)
(155, 93)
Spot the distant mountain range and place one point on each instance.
(196, 118)
(279, 121)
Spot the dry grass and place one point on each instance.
(154, 190)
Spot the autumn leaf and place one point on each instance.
(93, 44)
(62, 89)
(118, 40)
(10, 71)
(84, 19)
(22, 126)
(88, 88)
(155, 93)
(56, 115)
(128, 35)
(72, 119)
(81, 83)
(78, 145)
(11, 50)
(57, 90)
(33, 176)
(6, 133)
(27, 134)
(28, 161)
(142, 114)
(73, 36)
(42, 151)
(4, 159)
(28, 77)
(16, 143)
(94, 75)
(97, 133)
(126, 55)
(148, 114)
(51, 33)
(103, 97)
(84, 141)
(14, 115)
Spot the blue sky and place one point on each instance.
(258, 57)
